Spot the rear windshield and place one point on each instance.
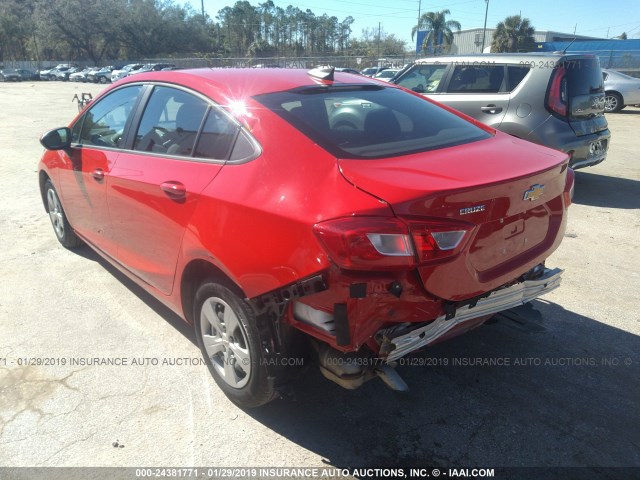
(584, 76)
(367, 122)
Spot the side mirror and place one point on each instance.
(58, 139)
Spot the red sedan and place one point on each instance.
(259, 204)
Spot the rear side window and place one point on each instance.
(476, 79)
(369, 122)
(516, 74)
(218, 133)
(584, 76)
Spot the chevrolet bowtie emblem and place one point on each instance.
(534, 193)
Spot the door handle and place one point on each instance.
(98, 174)
(174, 189)
(491, 109)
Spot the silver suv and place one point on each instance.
(556, 100)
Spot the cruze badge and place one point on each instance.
(477, 208)
(534, 193)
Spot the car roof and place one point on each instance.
(245, 82)
(502, 57)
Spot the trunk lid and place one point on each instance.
(509, 190)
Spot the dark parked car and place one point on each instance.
(27, 75)
(236, 198)
(10, 75)
(556, 100)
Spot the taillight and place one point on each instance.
(557, 99)
(435, 241)
(367, 243)
(375, 243)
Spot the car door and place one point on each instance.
(97, 138)
(180, 145)
(477, 89)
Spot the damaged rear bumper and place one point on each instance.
(400, 344)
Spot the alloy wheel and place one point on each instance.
(225, 342)
(55, 213)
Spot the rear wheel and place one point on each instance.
(225, 326)
(64, 233)
(613, 102)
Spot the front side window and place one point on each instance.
(104, 123)
(368, 122)
(422, 78)
(170, 123)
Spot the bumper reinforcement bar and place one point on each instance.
(497, 301)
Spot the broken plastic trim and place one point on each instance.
(495, 302)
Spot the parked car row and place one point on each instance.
(106, 74)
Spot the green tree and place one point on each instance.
(369, 45)
(88, 28)
(17, 29)
(514, 34)
(439, 31)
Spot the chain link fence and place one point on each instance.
(355, 62)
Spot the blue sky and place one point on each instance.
(587, 17)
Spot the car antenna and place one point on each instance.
(323, 72)
(570, 43)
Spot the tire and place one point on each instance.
(225, 326)
(103, 79)
(64, 233)
(613, 102)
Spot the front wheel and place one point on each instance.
(225, 326)
(613, 102)
(64, 233)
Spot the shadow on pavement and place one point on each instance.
(156, 305)
(627, 111)
(604, 191)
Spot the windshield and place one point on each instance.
(368, 122)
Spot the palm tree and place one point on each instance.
(515, 34)
(439, 30)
